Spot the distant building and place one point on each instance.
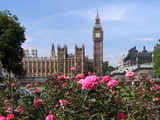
(135, 57)
(62, 61)
(138, 62)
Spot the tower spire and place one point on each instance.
(97, 15)
(52, 46)
(97, 21)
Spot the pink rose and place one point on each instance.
(2, 117)
(6, 102)
(63, 102)
(80, 81)
(37, 103)
(36, 90)
(28, 85)
(156, 99)
(9, 109)
(61, 78)
(120, 116)
(13, 85)
(80, 76)
(50, 117)
(10, 116)
(101, 90)
(89, 73)
(141, 78)
(129, 74)
(36, 84)
(156, 87)
(73, 69)
(112, 83)
(22, 111)
(67, 79)
(56, 106)
(152, 81)
(19, 109)
(105, 79)
(64, 84)
(50, 112)
(89, 82)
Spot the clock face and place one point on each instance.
(97, 35)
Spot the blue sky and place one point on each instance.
(126, 23)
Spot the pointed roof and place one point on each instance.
(52, 46)
(97, 22)
(97, 15)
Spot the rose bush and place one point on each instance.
(81, 98)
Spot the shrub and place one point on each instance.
(91, 98)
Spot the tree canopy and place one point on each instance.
(107, 69)
(11, 38)
(156, 60)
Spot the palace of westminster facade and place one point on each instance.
(62, 61)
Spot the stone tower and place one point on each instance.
(33, 52)
(97, 46)
(62, 56)
(53, 51)
(79, 58)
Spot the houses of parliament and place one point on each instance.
(61, 62)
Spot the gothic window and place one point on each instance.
(47, 64)
(61, 70)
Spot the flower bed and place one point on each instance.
(82, 98)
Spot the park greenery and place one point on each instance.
(81, 98)
(107, 69)
(11, 38)
(156, 60)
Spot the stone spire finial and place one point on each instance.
(144, 49)
(97, 15)
(97, 18)
(52, 46)
(97, 22)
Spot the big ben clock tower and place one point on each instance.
(97, 46)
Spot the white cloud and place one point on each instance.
(113, 13)
(109, 13)
(143, 39)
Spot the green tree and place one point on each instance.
(107, 69)
(156, 60)
(11, 38)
